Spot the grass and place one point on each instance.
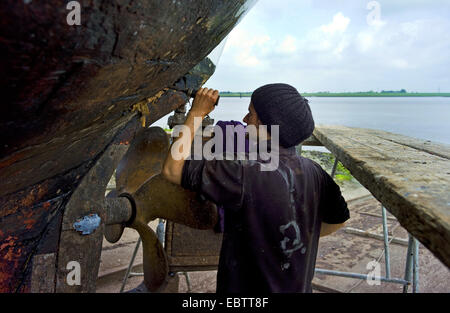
(342, 177)
(326, 161)
(235, 94)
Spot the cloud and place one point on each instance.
(319, 49)
(327, 41)
(400, 63)
(416, 44)
(289, 45)
(338, 25)
(246, 47)
(365, 41)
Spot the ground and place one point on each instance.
(341, 251)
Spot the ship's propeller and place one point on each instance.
(138, 178)
(143, 160)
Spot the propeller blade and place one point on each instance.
(159, 198)
(154, 263)
(144, 159)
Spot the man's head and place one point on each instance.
(281, 104)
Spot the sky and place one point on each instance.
(339, 46)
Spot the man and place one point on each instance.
(273, 219)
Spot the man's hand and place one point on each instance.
(203, 104)
(204, 101)
(327, 229)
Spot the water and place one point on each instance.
(421, 117)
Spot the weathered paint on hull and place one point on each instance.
(68, 94)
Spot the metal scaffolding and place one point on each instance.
(412, 258)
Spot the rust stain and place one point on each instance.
(10, 254)
(11, 160)
(28, 220)
(3, 246)
(29, 224)
(33, 196)
(28, 214)
(14, 249)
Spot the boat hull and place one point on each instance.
(72, 95)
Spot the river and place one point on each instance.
(420, 117)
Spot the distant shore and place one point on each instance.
(348, 94)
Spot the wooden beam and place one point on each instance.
(311, 141)
(428, 146)
(409, 177)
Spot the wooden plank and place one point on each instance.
(431, 147)
(311, 141)
(412, 181)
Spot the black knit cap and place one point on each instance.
(282, 104)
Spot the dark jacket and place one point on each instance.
(272, 219)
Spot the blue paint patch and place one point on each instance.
(88, 224)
